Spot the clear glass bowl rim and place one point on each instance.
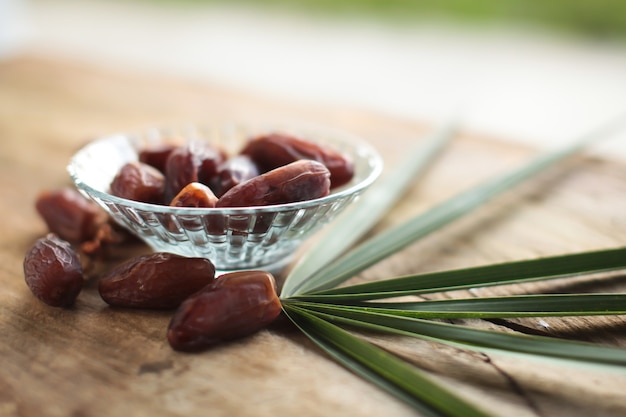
(368, 152)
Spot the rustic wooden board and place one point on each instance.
(92, 360)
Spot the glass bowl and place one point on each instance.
(263, 237)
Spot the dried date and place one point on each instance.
(139, 182)
(297, 181)
(233, 172)
(156, 156)
(69, 215)
(195, 195)
(53, 272)
(194, 162)
(156, 281)
(277, 149)
(235, 305)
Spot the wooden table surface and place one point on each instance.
(92, 360)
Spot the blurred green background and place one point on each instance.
(588, 18)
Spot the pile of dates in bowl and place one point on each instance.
(244, 196)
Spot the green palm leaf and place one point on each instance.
(560, 305)
(400, 236)
(482, 276)
(312, 302)
(473, 338)
(390, 373)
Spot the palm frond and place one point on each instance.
(483, 276)
(390, 373)
(396, 238)
(471, 337)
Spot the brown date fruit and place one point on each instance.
(156, 156)
(278, 149)
(53, 272)
(232, 172)
(235, 305)
(297, 181)
(69, 215)
(195, 195)
(158, 281)
(139, 182)
(196, 161)
(210, 164)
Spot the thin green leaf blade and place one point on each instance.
(558, 305)
(358, 368)
(468, 336)
(382, 368)
(481, 276)
(400, 236)
(544, 305)
(371, 207)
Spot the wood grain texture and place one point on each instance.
(93, 360)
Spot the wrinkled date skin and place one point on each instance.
(53, 272)
(297, 181)
(155, 281)
(277, 149)
(195, 195)
(194, 162)
(139, 182)
(233, 172)
(69, 215)
(156, 156)
(235, 305)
